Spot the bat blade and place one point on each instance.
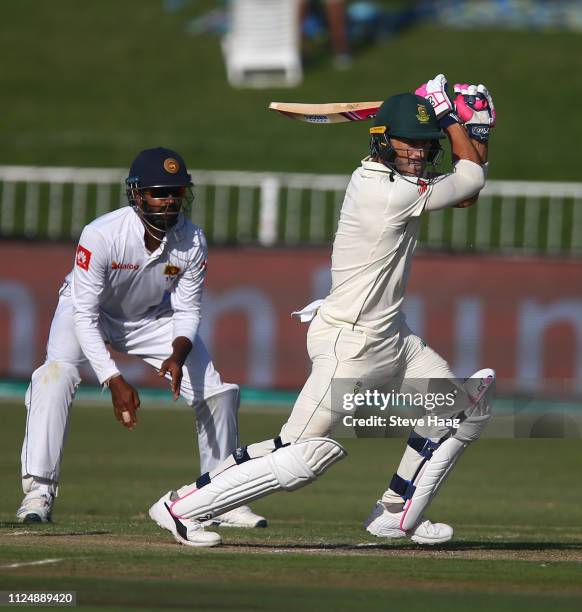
(332, 112)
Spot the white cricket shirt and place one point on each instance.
(116, 278)
(375, 241)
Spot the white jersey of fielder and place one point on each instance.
(116, 280)
(375, 241)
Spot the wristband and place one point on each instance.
(479, 132)
(449, 119)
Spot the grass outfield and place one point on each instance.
(517, 515)
(92, 86)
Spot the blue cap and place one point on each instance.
(159, 167)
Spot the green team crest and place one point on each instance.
(422, 114)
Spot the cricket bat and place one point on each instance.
(333, 112)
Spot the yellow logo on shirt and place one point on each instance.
(422, 114)
(379, 129)
(171, 270)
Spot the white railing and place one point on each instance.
(290, 209)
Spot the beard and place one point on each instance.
(161, 221)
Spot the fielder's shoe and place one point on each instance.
(189, 533)
(37, 505)
(386, 524)
(242, 516)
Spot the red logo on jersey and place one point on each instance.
(422, 186)
(123, 266)
(83, 257)
(202, 266)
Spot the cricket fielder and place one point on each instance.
(136, 285)
(359, 332)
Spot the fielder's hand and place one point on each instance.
(475, 108)
(435, 91)
(125, 401)
(175, 362)
(173, 367)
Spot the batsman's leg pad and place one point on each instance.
(286, 469)
(442, 457)
(480, 388)
(430, 479)
(240, 455)
(471, 428)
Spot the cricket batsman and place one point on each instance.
(359, 332)
(136, 286)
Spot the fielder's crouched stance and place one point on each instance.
(136, 285)
(359, 333)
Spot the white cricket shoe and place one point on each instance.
(242, 516)
(37, 505)
(189, 533)
(386, 524)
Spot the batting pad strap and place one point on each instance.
(240, 455)
(425, 447)
(203, 480)
(402, 487)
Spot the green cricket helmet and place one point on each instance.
(405, 116)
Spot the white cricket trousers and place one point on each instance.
(53, 385)
(342, 353)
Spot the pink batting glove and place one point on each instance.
(474, 104)
(435, 91)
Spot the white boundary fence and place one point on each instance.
(291, 209)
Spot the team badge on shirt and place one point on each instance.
(171, 270)
(83, 257)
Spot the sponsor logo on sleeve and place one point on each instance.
(83, 257)
(115, 265)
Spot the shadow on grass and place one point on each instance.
(49, 529)
(452, 546)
